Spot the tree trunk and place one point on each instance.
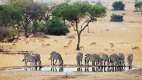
(78, 41)
(25, 25)
(26, 31)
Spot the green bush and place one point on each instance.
(10, 19)
(116, 18)
(138, 3)
(118, 5)
(38, 26)
(55, 26)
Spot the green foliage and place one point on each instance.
(97, 10)
(33, 12)
(59, 9)
(10, 21)
(118, 5)
(56, 27)
(83, 7)
(38, 26)
(138, 3)
(9, 15)
(71, 13)
(76, 11)
(116, 18)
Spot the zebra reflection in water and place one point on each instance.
(98, 69)
(54, 69)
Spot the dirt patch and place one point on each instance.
(135, 71)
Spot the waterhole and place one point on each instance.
(69, 69)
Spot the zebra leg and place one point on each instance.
(51, 62)
(35, 65)
(55, 61)
(31, 66)
(26, 65)
(81, 63)
(39, 65)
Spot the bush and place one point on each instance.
(118, 5)
(116, 18)
(55, 26)
(8, 34)
(38, 26)
(138, 4)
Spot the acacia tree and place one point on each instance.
(74, 13)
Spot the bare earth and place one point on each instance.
(71, 76)
(104, 37)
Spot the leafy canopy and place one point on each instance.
(9, 15)
(74, 12)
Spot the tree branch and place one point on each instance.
(83, 28)
(76, 26)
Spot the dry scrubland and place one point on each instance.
(104, 37)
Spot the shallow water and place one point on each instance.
(82, 69)
(69, 69)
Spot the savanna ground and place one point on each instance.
(104, 37)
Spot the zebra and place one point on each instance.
(121, 60)
(95, 59)
(130, 60)
(54, 56)
(79, 58)
(113, 61)
(87, 59)
(104, 59)
(34, 59)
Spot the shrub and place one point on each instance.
(56, 27)
(117, 18)
(38, 26)
(10, 19)
(118, 5)
(138, 4)
(7, 33)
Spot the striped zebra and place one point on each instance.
(34, 59)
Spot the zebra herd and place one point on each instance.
(115, 60)
(96, 60)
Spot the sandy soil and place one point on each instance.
(104, 37)
(70, 76)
